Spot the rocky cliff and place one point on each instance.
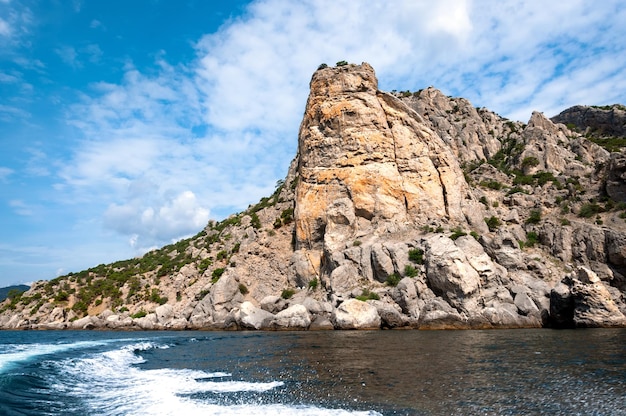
(400, 210)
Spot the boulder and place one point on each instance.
(449, 271)
(164, 313)
(273, 304)
(356, 314)
(390, 317)
(251, 317)
(294, 317)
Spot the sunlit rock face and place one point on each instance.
(369, 163)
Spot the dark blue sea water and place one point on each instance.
(499, 372)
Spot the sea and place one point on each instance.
(492, 372)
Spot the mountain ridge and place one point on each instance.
(399, 210)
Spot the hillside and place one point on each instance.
(409, 209)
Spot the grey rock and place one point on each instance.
(355, 314)
(251, 317)
(294, 317)
(273, 304)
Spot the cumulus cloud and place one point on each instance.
(160, 221)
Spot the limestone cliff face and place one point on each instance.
(368, 163)
(400, 210)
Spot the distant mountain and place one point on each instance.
(403, 209)
(4, 291)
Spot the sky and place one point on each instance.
(127, 125)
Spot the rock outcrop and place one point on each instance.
(608, 120)
(400, 210)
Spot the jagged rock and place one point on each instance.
(616, 180)
(252, 317)
(273, 304)
(316, 307)
(593, 304)
(148, 322)
(83, 323)
(164, 313)
(344, 279)
(355, 314)
(405, 295)
(381, 263)
(562, 306)
(449, 272)
(438, 314)
(390, 317)
(57, 314)
(525, 304)
(610, 120)
(294, 317)
(582, 300)
(382, 172)
(321, 323)
(504, 247)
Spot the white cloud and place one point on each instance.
(68, 55)
(5, 173)
(163, 220)
(21, 208)
(5, 28)
(10, 113)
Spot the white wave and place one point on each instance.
(12, 354)
(110, 384)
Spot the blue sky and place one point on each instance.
(125, 125)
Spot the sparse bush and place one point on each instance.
(255, 222)
(322, 66)
(456, 233)
(483, 200)
(342, 63)
(243, 289)
(521, 179)
(356, 243)
(530, 161)
(410, 271)
(62, 296)
(416, 255)
(313, 284)
(287, 293)
(216, 274)
(565, 221)
(139, 314)
(495, 185)
(515, 190)
(367, 295)
(535, 217)
(531, 238)
(393, 279)
(475, 235)
(493, 223)
(589, 209)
